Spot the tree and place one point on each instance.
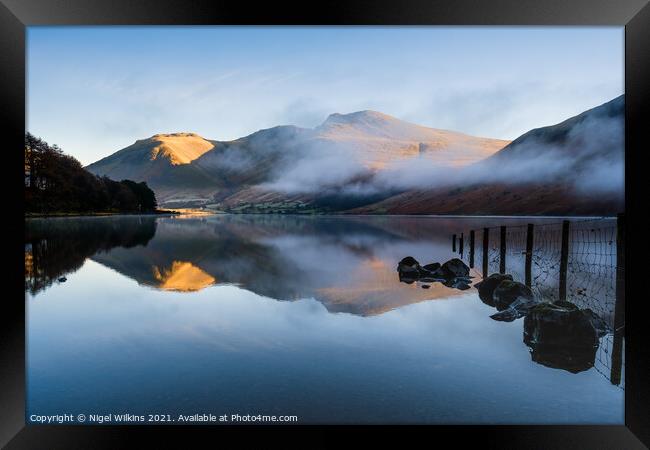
(55, 182)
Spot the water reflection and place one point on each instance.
(57, 247)
(187, 314)
(346, 264)
(182, 276)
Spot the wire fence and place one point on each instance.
(579, 261)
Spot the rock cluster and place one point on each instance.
(453, 273)
(511, 298)
(559, 334)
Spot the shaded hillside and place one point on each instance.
(574, 167)
(576, 131)
(499, 199)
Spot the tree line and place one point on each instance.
(58, 183)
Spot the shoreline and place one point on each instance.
(192, 211)
(102, 213)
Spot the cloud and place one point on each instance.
(590, 157)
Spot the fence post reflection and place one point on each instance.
(471, 249)
(529, 254)
(564, 259)
(619, 308)
(486, 251)
(502, 256)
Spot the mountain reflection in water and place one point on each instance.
(347, 264)
(242, 313)
(182, 276)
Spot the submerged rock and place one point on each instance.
(431, 267)
(424, 273)
(563, 336)
(487, 286)
(454, 273)
(560, 325)
(458, 283)
(571, 359)
(508, 291)
(408, 263)
(456, 268)
(517, 309)
(408, 269)
(408, 278)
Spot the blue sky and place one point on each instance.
(95, 90)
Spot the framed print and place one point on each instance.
(414, 217)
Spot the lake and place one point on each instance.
(281, 315)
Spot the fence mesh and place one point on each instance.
(591, 271)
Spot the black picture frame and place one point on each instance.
(15, 15)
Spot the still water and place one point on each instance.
(279, 315)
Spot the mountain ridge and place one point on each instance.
(370, 139)
(579, 153)
(368, 162)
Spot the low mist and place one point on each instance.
(588, 156)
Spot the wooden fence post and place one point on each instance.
(502, 256)
(564, 259)
(460, 245)
(471, 249)
(453, 243)
(529, 254)
(619, 308)
(486, 251)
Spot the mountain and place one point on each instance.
(368, 162)
(595, 132)
(378, 139)
(574, 167)
(285, 162)
(163, 161)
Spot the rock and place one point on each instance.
(425, 286)
(562, 336)
(565, 326)
(598, 322)
(408, 278)
(457, 283)
(424, 273)
(456, 267)
(566, 305)
(63, 280)
(409, 269)
(507, 315)
(406, 263)
(429, 279)
(454, 273)
(487, 286)
(432, 267)
(517, 309)
(508, 291)
(571, 359)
